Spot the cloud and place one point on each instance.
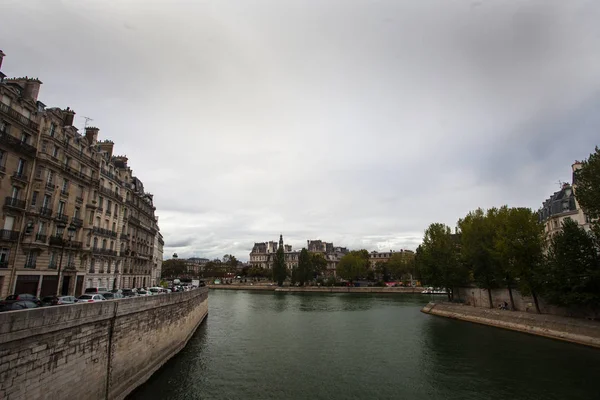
(352, 121)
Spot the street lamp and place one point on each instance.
(70, 233)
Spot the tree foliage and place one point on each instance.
(572, 273)
(279, 268)
(437, 259)
(401, 266)
(353, 265)
(587, 181)
(173, 268)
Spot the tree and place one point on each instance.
(519, 248)
(572, 269)
(279, 268)
(400, 265)
(437, 259)
(353, 265)
(477, 238)
(304, 267)
(382, 270)
(173, 268)
(587, 185)
(318, 265)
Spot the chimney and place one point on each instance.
(1, 57)
(32, 89)
(575, 167)
(69, 116)
(91, 134)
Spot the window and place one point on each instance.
(31, 259)
(4, 126)
(67, 161)
(50, 177)
(46, 201)
(21, 167)
(52, 262)
(55, 152)
(15, 192)
(65, 186)
(52, 129)
(38, 172)
(61, 208)
(77, 212)
(59, 231)
(116, 210)
(34, 197)
(44, 146)
(4, 253)
(95, 242)
(2, 158)
(112, 245)
(100, 202)
(24, 138)
(108, 206)
(104, 244)
(70, 262)
(80, 191)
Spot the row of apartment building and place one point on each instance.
(263, 254)
(563, 204)
(74, 214)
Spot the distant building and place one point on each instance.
(561, 205)
(384, 256)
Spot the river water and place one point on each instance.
(257, 345)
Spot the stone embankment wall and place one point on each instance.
(553, 326)
(92, 351)
(479, 298)
(320, 289)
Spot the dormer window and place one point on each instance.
(52, 130)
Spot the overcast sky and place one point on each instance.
(353, 121)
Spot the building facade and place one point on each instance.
(73, 214)
(563, 204)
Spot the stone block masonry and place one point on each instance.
(92, 351)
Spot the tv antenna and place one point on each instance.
(87, 119)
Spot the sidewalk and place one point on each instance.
(574, 330)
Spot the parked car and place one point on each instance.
(112, 296)
(21, 297)
(95, 290)
(144, 293)
(90, 298)
(18, 305)
(58, 300)
(156, 290)
(128, 293)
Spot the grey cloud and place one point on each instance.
(352, 121)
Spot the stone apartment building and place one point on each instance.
(563, 204)
(73, 215)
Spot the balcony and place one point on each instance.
(45, 212)
(60, 242)
(111, 193)
(30, 264)
(14, 203)
(62, 218)
(14, 114)
(64, 192)
(20, 177)
(107, 252)
(124, 236)
(50, 186)
(4, 264)
(41, 238)
(16, 144)
(105, 232)
(77, 221)
(79, 199)
(8, 235)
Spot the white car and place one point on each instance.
(90, 298)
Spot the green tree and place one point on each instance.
(437, 259)
(279, 268)
(318, 265)
(518, 245)
(173, 268)
(478, 234)
(353, 265)
(572, 269)
(587, 185)
(401, 266)
(382, 270)
(304, 267)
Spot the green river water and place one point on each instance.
(256, 345)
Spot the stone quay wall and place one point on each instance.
(569, 329)
(320, 289)
(100, 350)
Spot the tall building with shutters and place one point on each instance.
(73, 214)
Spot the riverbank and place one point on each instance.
(320, 289)
(573, 330)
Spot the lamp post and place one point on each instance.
(70, 232)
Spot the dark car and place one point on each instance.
(21, 297)
(18, 305)
(128, 293)
(58, 300)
